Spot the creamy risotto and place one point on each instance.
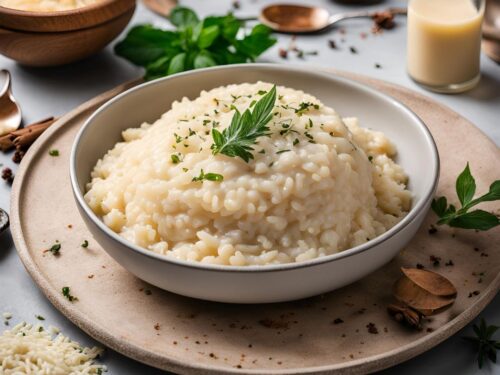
(46, 5)
(317, 184)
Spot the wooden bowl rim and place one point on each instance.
(66, 20)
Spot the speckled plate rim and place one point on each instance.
(99, 332)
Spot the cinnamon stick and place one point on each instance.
(22, 139)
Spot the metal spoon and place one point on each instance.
(10, 112)
(4, 221)
(299, 19)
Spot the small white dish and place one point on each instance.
(417, 154)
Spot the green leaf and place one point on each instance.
(492, 195)
(208, 36)
(261, 29)
(158, 68)
(465, 186)
(254, 45)
(183, 17)
(477, 219)
(145, 44)
(177, 64)
(208, 176)
(439, 206)
(203, 60)
(262, 110)
(242, 133)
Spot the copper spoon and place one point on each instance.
(161, 7)
(300, 19)
(10, 112)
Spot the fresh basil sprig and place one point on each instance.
(195, 44)
(463, 217)
(486, 346)
(242, 133)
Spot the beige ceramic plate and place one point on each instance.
(190, 336)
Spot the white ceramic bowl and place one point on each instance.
(417, 154)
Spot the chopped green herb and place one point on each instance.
(206, 121)
(282, 151)
(85, 244)
(175, 158)
(262, 92)
(55, 249)
(54, 152)
(67, 293)
(40, 329)
(242, 133)
(178, 138)
(208, 176)
(304, 107)
(463, 218)
(185, 169)
(253, 103)
(191, 132)
(39, 317)
(296, 141)
(262, 151)
(370, 158)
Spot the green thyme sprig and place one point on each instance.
(242, 134)
(463, 217)
(486, 346)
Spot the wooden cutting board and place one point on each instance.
(196, 337)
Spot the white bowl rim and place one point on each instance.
(410, 216)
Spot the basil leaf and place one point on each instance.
(465, 186)
(203, 60)
(254, 45)
(158, 68)
(183, 17)
(177, 64)
(439, 206)
(477, 219)
(145, 44)
(208, 36)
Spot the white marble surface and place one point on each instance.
(45, 92)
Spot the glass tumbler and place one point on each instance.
(444, 43)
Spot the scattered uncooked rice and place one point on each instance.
(46, 5)
(28, 349)
(317, 185)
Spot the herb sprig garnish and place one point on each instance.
(238, 138)
(486, 346)
(208, 176)
(463, 218)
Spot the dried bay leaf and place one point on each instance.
(432, 282)
(408, 292)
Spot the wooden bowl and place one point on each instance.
(57, 38)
